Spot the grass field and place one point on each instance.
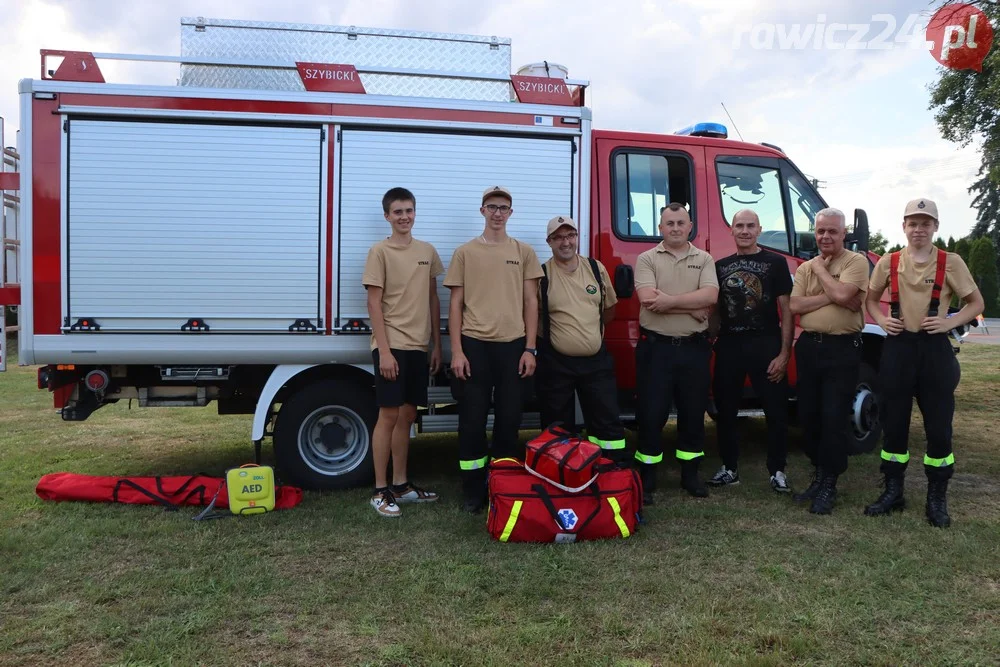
(744, 577)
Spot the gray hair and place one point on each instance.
(830, 212)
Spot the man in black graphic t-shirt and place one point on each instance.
(754, 287)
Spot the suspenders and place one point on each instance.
(932, 310)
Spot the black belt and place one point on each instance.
(830, 338)
(674, 340)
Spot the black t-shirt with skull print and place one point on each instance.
(749, 287)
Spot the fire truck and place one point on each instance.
(178, 245)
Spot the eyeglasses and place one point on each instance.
(559, 238)
(493, 208)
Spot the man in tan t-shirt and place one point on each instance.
(917, 358)
(826, 295)
(401, 278)
(492, 322)
(677, 285)
(576, 302)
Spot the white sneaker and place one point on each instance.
(385, 503)
(413, 494)
(779, 482)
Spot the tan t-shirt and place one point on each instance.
(916, 282)
(685, 272)
(404, 273)
(850, 268)
(493, 278)
(575, 308)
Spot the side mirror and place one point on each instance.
(861, 230)
(624, 281)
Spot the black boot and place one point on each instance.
(811, 490)
(891, 500)
(937, 503)
(474, 490)
(647, 473)
(690, 481)
(826, 495)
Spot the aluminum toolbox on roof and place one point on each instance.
(230, 225)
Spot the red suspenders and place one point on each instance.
(932, 310)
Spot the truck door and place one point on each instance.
(636, 179)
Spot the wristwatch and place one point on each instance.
(532, 351)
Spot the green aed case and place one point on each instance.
(251, 489)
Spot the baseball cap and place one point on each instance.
(499, 191)
(559, 221)
(922, 206)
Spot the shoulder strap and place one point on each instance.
(595, 269)
(544, 290)
(942, 263)
(894, 285)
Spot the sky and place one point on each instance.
(855, 118)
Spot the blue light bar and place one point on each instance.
(714, 130)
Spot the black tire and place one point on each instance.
(866, 422)
(323, 435)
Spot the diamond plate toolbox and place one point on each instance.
(437, 55)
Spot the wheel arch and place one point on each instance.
(288, 379)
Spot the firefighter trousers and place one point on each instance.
(827, 368)
(736, 357)
(921, 366)
(593, 379)
(494, 378)
(671, 372)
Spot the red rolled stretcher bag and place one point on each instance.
(524, 508)
(563, 459)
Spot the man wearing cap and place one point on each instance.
(492, 324)
(917, 359)
(677, 286)
(576, 302)
(826, 295)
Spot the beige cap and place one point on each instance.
(921, 206)
(560, 221)
(499, 191)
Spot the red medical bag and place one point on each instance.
(563, 459)
(524, 508)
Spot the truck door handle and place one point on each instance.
(624, 281)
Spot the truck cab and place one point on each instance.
(636, 175)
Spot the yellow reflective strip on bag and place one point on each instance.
(509, 528)
(622, 526)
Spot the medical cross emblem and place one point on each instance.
(567, 518)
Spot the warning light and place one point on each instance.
(66, 367)
(194, 323)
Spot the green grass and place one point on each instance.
(743, 577)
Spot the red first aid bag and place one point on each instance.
(524, 508)
(563, 459)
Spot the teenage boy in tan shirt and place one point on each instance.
(492, 321)
(401, 278)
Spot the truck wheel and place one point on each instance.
(866, 424)
(323, 436)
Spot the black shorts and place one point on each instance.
(410, 385)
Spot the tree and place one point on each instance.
(877, 243)
(983, 266)
(951, 244)
(965, 105)
(962, 248)
(895, 248)
(939, 242)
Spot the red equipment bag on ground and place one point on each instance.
(524, 508)
(171, 492)
(563, 459)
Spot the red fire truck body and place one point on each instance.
(179, 245)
